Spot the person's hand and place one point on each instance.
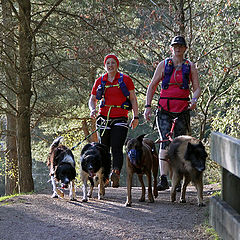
(134, 123)
(147, 114)
(93, 113)
(192, 104)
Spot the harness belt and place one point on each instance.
(172, 98)
(107, 122)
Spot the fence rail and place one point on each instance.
(225, 211)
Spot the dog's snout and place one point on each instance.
(200, 168)
(66, 181)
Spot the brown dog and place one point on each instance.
(187, 157)
(141, 159)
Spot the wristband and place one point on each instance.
(148, 105)
(136, 117)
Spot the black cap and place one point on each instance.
(179, 40)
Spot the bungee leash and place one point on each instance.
(86, 137)
(168, 135)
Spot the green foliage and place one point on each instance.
(6, 200)
(8, 197)
(212, 173)
(68, 126)
(227, 119)
(211, 232)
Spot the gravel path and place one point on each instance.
(38, 217)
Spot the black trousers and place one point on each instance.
(113, 133)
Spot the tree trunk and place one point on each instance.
(23, 98)
(11, 163)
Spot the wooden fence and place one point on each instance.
(225, 210)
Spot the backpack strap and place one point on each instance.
(123, 86)
(103, 82)
(101, 90)
(168, 69)
(186, 69)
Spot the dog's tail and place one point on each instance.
(56, 142)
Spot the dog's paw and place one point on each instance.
(60, 193)
(151, 200)
(182, 201)
(103, 191)
(54, 195)
(73, 199)
(201, 204)
(173, 197)
(100, 197)
(142, 199)
(155, 194)
(84, 200)
(128, 204)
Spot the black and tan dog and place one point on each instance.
(62, 168)
(187, 157)
(141, 159)
(95, 163)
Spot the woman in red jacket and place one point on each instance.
(117, 96)
(178, 76)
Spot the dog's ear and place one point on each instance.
(204, 153)
(200, 144)
(140, 138)
(56, 142)
(188, 151)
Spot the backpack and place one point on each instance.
(168, 70)
(101, 91)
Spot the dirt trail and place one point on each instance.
(38, 217)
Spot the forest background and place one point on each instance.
(52, 51)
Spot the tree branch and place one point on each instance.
(46, 16)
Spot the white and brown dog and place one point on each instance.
(62, 168)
